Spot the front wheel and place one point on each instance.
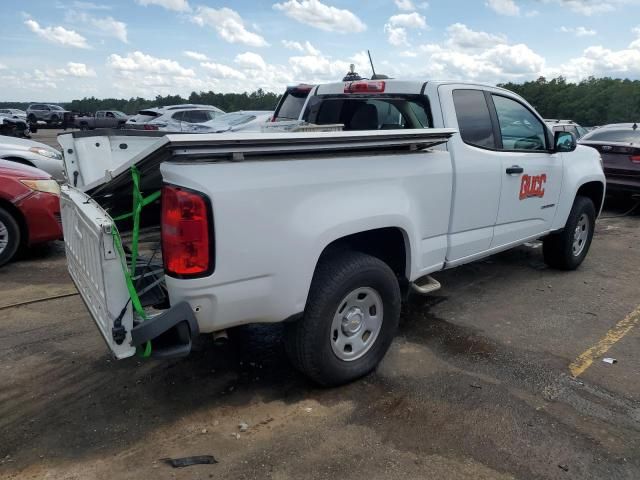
(350, 319)
(9, 236)
(567, 249)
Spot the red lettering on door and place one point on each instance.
(532, 186)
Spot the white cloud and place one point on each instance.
(408, 20)
(305, 47)
(599, 61)
(396, 27)
(201, 57)
(504, 7)
(79, 70)
(405, 5)
(106, 25)
(59, 35)
(251, 61)
(579, 31)
(90, 6)
(3, 66)
(479, 56)
(321, 16)
(462, 37)
(219, 70)
(175, 5)
(590, 7)
(397, 36)
(141, 62)
(229, 26)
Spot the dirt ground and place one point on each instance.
(477, 384)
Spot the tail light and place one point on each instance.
(635, 159)
(364, 87)
(187, 236)
(150, 127)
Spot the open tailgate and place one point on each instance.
(96, 267)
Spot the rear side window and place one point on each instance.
(178, 116)
(291, 105)
(367, 113)
(474, 120)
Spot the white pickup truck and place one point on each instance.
(325, 231)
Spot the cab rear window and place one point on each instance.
(370, 113)
(291, 105)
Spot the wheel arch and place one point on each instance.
(595, 192)
(389, 244)
(19, 218)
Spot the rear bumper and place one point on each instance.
(623, 184)
(171, 332)
(42, 214)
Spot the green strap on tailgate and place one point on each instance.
(138, 202)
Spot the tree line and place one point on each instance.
(591, 102)
(595, 101)
(229, 102)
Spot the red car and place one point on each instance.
(29, 208)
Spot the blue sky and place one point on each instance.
(58, 50)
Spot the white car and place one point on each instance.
(241, 121)
(174, 118)
(14, 113)
(34, 154)
(327, 232)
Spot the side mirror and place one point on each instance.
(564, 142)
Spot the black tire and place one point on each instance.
(54, 120)
(32, 118)
(12, 236)
(308, 341)
(558, 248)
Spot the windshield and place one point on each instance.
(614, 135)
(56, 107)
(370, 113)
(119, 114)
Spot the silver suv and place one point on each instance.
(52, 114)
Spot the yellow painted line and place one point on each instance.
(584, 361)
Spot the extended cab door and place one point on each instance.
(477, 170)
(531, 173)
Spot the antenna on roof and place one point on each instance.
(375, 76)
(371, 62)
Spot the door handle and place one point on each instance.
(514, 169)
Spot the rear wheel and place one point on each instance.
(350, 319)
(9, 236)
(567, 249)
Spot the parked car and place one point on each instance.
(29, 208)
(34, 154)
(326, 231)
(15, 127)
(44, 112)
(290, 104)
(241, 121)
(619, 147)
(566, 126)
(14, 113)
(173, 117)
(101, 119)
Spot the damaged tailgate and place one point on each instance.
(96, 268)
